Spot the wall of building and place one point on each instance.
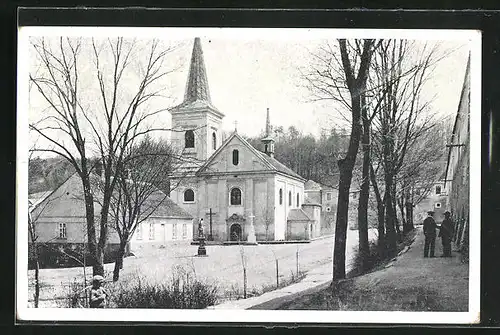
(299, 230)
(290, 187)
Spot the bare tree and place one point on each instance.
(96, 117)
(143, 186)
(268, 217)
(341, 76)
(402, 70)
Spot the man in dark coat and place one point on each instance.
(446, 233)
(430, 234)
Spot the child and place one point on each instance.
(97, 294)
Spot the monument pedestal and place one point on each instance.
(251, 239)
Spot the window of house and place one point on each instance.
(438, 205)
(235, 196)
(298, 200)
(151, 231)
(329, 196)
(184, 231)
(189, 195)
(189, 139)
(174, 231)
(62, 230)
(354, 195)
(289, 198)
(438, 189)
(139, 231)
(214, 140)
(281, 196)
(236, 157)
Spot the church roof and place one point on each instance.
(197, 94)
(272, 163)
(278, 166)
(298, 214)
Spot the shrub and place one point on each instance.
(182, 292)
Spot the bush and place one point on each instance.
(182, 292)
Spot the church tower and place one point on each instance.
(196, 123)
(268, 140)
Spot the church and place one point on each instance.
(242, 193)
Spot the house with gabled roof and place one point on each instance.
(240, 192)
(60, 223)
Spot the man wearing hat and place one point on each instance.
(446, 232)
(97, 294)
(430, 234)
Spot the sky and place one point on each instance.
(248, 73)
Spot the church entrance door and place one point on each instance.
(235, 232)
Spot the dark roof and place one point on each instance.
(67, 201)
(167, 208)
(280, 167)
(298, 214)
(308, 201)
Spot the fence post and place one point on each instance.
(297, 261)
(244, 283)
(277, 275)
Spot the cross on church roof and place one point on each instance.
(235, 125)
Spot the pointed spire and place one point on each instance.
(268, 124)
(197, 83)
(268, 140)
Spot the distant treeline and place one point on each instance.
(311, 157)
(45, 174)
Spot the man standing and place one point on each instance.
(430, 234)
(446, 232)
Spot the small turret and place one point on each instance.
(268, 140)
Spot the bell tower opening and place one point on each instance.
(196, 121)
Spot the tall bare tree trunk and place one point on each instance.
(119, 260)
(364, 248)
(37, 274)
(390, 224)
(380, 215)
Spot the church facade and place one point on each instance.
(240, 192)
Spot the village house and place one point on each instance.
(457, 166)
(240, 192)
(60, 224)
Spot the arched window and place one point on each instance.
(438, 189)
(189, 195)
(235, 196)
(281, 196)
(289, 198)
(214, 140)
(236, 157)
(189, 139)
(298, 200)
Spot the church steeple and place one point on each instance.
(197, 83)
(268, 140)
(197, 123)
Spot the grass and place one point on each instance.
(183, 291)
(345, 296)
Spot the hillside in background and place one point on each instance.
(45, 174)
